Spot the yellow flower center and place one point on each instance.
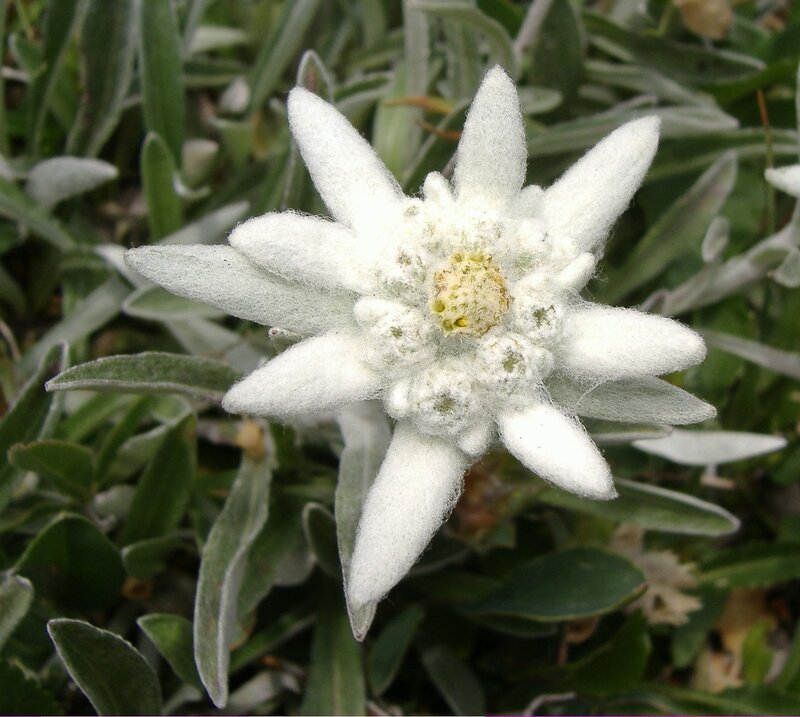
(469, 294)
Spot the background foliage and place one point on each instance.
(146, 121)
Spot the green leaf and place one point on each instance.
(557, 55)
(107, 51)
(760, 700)
(789, 678)
(164, 208)
(68, 466)
(784, 362)
(23, 696)
(390, 648)
(456, 682)
(71, 563)
(30, 416)
(14, 204)
(689, 638)
(150, 372)
(161, 73)
(652, 507)
(121, 431)
(16, 595)
(146, 558)
(90, 314)
(565, 585)
(688, 63)
(282, 533)
(616, 666)
(680, 229)
(335, 683)
(279, 49)
(319, 527)
(156, 304)
(753, 565)
(164, 489)
(61, 19)
(172, 636)
(366, 436)
(210, 228)
(110, 672)
(466, 12)
(221, 569)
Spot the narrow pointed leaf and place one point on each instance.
(108, 48)
(652, 507)
(162, 73)
(221, 570)
(158, 167)
(16, 595)
(164, 490)
(150, 372)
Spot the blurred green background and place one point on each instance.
(132, 122)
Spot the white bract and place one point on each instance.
(456, 309)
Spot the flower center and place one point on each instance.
(469, 295)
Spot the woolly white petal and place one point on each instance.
(301, 248)
(414, 492)
(558, 449)
(787, 179)
(491, 156)
(603, 343)
(351, 179)
(314, 378)
(591, 194)
(220, 276)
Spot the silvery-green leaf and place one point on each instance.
(716, 239)
(222, 565)
(278, 50)
(216, 37)
(468, 13)
(701, 448)
(456, 682)
(676, 231)
(172, 636)
(16, 595)
(16, 205)
(108, 49)
(58, 178)
(636, 400)
(335, 683)
(161, 73)
(785, 362)
(156, 304)
(109, 670)
(33, 414)
(652, 507)
(366, 436)
(150, 372)
(788, 273)
(164, 208)
(212, 228)
(205, 338)
(61, 19)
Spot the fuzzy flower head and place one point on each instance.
(459, 310)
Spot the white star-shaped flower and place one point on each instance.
(460, 311)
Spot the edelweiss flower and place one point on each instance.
(459, 310)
